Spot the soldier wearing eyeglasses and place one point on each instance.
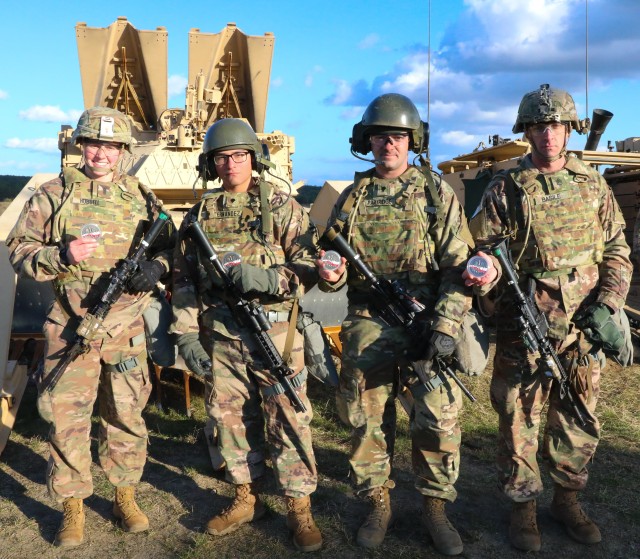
(567, 242)
(267, 238)
(407, 225)
(73, 231)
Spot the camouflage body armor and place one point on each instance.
(388, 223)
(117, 209)
(565, 229)
(233, 223)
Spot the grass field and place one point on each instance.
(180, 491)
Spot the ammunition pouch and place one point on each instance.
(472, 347)
(161, 345)
(317, 356)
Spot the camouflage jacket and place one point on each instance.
(575, 252)
(55, 215)
(233, 223)
(399, 233)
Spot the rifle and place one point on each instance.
(396, 307)
(94, 318)
(534, 327)
(248, 314)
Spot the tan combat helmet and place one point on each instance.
(105, 125)
(548, 105)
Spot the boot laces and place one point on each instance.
(303, 517)
(379, 508)
(241, 498)
(71, 510)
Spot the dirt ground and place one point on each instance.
(180, 492)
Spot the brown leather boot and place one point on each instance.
(566, 509)
(71, 531)
(445, 537)
(125, 508)
(523, 531)
(245, 507)
(372, 532)
(306, 536)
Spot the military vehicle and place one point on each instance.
(126, 68)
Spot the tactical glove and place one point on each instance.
(441, 345)
(251, 278)
(194, 355)
(596, 321)
(148, 274)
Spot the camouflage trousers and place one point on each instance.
(518, 394)
(122, 434)
(366, 402)
(242, 411)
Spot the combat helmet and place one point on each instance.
(388, 113)
(105, 125)
(548, 105)
(230, 133)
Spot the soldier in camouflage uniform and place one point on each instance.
(72, 232)
(567, 241)
(407, 225)
(271, 235)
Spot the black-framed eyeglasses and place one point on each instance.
(382, 139)
(238, 157)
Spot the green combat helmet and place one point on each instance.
(390, 112)
(230, 133)
(548, 105)
(105, 125)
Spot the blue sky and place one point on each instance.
(332, 58)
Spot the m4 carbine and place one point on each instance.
(533, 329)
(396, 307)
(94, 318)
(251, 315)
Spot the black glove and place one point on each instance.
(440, 345)
(251, 278)
(194, 355)
(148, 274)
(596, 321)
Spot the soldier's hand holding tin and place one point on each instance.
(331, 265)
(83, 247)
(480, 270)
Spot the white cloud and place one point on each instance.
(308, 80)
(3, 94)
(369, 41)
(277, 82)
(459, 138)
(48, 113)
(177, 85)
(38, 144)
(343, 92)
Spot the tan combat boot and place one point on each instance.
(71, 531)
(566, 509)
(306, 536)
(245, 507)
(132, 519)
(372, 532)
(445, 537)
(523, 531)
